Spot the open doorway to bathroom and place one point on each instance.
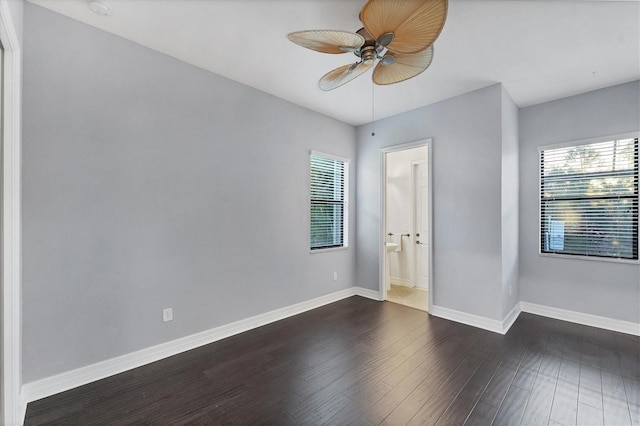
(406, 213)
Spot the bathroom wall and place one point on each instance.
(399, 212)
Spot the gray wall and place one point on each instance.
(149, 183)
(17, 10)
(598, 288)
(10, 383)
(467, 168)
(510, 203)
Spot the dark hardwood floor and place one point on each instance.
(365, 362)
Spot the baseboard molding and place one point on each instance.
(84, 375)
(469, 319)
(503, 326)
(581, 318)
(401, 281)
(511, 317)
(369, 294)
(22, 409)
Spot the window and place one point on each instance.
(589, 200)
(329, 183)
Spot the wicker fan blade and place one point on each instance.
(406, 66)
(327, 41)
(342, 75)
(415, 24)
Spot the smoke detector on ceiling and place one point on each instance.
(100, 7)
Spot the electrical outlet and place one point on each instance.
(335, 276)
(167, 314)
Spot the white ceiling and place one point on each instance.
(540, 50)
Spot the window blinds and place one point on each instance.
(589, 199)
(327, 202)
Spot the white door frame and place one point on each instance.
(13, 407)
(383, 214)
(414, 219)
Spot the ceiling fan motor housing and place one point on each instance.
(368, 54)
(371, 49)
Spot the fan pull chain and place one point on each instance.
(373, 106)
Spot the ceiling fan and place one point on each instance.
(399, 34)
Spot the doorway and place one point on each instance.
(406, 218)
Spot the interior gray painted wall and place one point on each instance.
(467, 148)
(510, 203)
(599, 288)
(149, 183)
(17, 9)
(10, 383)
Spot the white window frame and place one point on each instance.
(345, 220)
(632, 135)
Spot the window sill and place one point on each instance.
(590, 258)
(328, 249)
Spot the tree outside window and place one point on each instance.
(589, 199)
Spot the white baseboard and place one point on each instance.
(469, 319)
(561, 314)
(401, 281)
(22, 409)
(369, 294)
(581, 318)
(81, 376)
(511, 317)
(489, 324)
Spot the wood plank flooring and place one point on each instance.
(363, 362)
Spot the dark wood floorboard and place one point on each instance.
(363, 362)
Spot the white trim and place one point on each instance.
(587, 257)
(469, 319)
(382, 225)
(345, 204)
(429, 164)
(81, 376)
(22, 414)
(566, 144)
(582, 318)
(414, 228)
(405, 282)
(329, 156)
(13, 405)
(511, 317)
(430, 201)
(369, 294)
(501, 327)
(326, 250)
(408, 145)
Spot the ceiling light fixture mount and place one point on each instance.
(398, 34)
(100, 7)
